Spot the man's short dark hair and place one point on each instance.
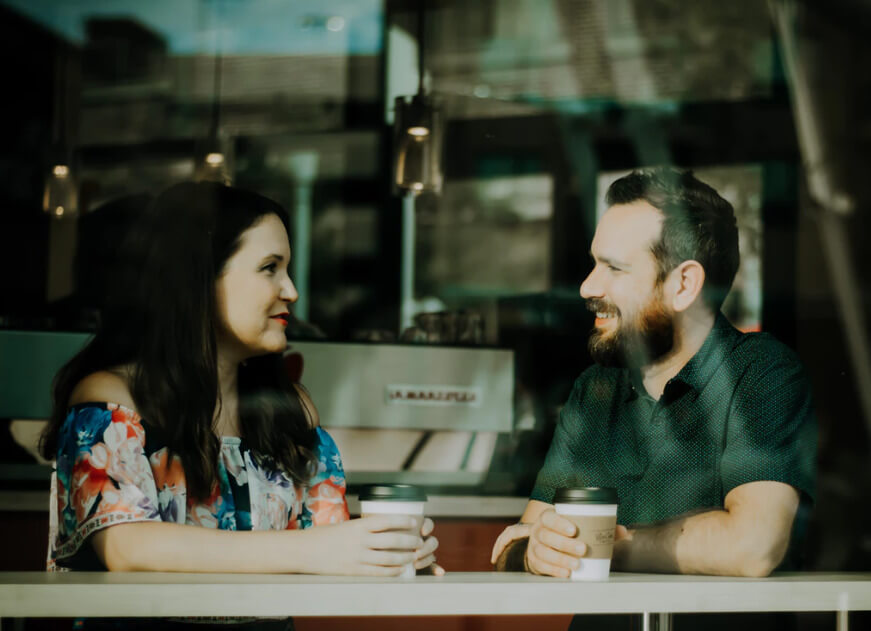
(698, 225)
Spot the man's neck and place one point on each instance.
(691, 330)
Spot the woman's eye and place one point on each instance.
(271, 267)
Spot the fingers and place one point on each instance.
(537, 566)
(425, 559)
(387, 558)
(382, 523)
(513, 532)
(621, 532)
(427, 527)
(540, 556)
(498, 547)
(430, 544)
(429, 567)
(552, 521)
(394, 541)
(424, 562)
(555, 532)
(558, 542)
(389, 549)
(552, 548)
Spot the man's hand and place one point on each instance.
(542, 543)
(511, 534)
(553, 549)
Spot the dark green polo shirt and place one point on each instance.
(739, 411)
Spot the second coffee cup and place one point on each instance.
(594, 511)
(395, 499)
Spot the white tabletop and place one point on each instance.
(40, 594)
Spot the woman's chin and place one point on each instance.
(275, 346)
(266, 347)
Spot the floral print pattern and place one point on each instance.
(107, 472)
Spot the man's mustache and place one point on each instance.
(597, 305)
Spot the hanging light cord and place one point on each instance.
(421, 39)
(60, 102)
(57, 100)
(216, 93)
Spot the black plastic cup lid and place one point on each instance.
(391, 493)
(586, 495)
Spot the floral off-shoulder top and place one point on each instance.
(112, 469)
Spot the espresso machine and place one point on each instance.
(411, 413)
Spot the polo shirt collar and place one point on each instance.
(635, 387)
(698, 371)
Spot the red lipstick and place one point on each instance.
(281, 318)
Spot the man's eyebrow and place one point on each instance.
(609, 261)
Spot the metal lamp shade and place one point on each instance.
(417, 142)
(214, 159)
(59, 197)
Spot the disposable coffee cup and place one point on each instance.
(594, 511)
(395, 499)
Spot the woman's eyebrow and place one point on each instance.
(275, 256)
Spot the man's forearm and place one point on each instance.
(648, 549)
(705, 543)
(513, 557)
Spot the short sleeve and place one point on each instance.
(562, 467)
(325, 501)
(772, 428)
(102, 478)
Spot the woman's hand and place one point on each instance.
(378, 545)
(424, 560)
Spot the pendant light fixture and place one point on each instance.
(60, 199)
(214, 154)
(417, 131)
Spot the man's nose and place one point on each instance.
(591, 287)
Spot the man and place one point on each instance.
(707, 434)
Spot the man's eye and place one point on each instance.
(614, 269)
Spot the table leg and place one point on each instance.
(842, 621)
(657, 621)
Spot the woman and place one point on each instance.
(179, 414)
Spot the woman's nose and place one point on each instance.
(288, 291)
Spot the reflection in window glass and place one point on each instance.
(483, 238)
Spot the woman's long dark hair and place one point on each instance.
(162, 321)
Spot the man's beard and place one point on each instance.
(637, 343)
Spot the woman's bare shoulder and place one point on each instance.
(103, 386)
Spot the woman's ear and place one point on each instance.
(686, 282)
